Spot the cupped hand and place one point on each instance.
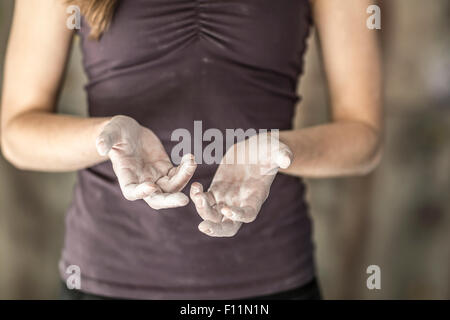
(142, 166)
(240, 185)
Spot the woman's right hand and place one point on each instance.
(142, 166)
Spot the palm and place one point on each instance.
(142, 159)
(240, 185)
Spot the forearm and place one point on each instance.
(331, 150)
(44, 141)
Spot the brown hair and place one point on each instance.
(98, 14)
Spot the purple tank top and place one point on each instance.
(167, 63)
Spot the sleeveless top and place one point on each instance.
(167, 63)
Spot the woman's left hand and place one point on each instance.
(240, 185)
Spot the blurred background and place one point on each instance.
(398, 217)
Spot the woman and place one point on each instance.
(155, 67)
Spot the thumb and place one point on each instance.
(109, 137)
(284, 156)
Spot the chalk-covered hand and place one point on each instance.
(240, 185)
(142, 166)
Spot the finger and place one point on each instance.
(180, 176)
(245, 214)
(284, 156)
(196, 187)
(131, 188)
(226, 228)
(160, 200)
(204, 203)
(134, 191)
(109, 137)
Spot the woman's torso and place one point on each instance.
(167, 63)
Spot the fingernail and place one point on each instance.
(205, 230)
